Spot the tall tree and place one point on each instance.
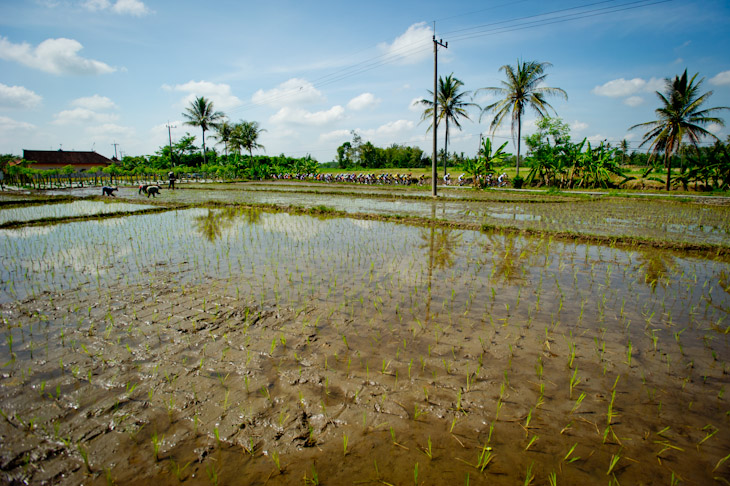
(201, 114)
(223, 133)
(245, 135)
(452, 106)
(522, 90)
(680, 113)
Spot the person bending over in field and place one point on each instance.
(152, 191)
(108, 191)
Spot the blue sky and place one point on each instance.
(85, 74)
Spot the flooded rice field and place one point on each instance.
(242, 345)
(38, 211)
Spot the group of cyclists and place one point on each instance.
(479, 181)
(362, 178)
(398, 179)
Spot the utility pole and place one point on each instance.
(115, 149)
(436, 44)
(169, 134)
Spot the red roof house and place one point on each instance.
(57, 159)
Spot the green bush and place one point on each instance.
(517, 182)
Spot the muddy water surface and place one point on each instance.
(245, 347)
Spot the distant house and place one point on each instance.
(58, 159)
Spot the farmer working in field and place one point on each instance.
(108, 191)
(152, 191)
(171, 178)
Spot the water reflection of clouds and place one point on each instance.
(27, 232)
(296, 228)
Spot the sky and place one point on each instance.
(110, 75)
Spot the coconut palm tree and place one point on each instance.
(452, 106)
(522, 90)
(245, 136)
(679, 114)
(200, 113)
(223, 133)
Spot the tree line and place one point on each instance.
(682, 116)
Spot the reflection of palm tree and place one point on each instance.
(212, 224)
(655, 265)
(510, 254)
(209, 225)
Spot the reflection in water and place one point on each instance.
(655, 265)
(212, 224)
(510, 252)
(441, 244)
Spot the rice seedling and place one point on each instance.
(578, 402)
(156, 443)
(612, 463)
(84, 456)
(567, 458)
(529, 476)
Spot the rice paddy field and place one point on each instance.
(281, 334)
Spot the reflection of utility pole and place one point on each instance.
(430, 261)
(115, 149)
(169, 134)
(436, 45)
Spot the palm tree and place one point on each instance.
(451, 107)
(624, 146)
(245, 135)
(521, 90)
(679, 114)
(223, 133)
(200, 114)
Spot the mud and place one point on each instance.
(236, 346)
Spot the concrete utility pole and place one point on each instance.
(115, 149)
(436, 44)
(169, 134)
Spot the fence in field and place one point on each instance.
(49, 180)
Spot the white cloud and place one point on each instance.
(634, 101)
(288, 115)
(654, 84)
(714, 128)
(335, 136)
(389, 132)
(95, 5)
(7, 124)
(578, 126)
(109, 130)
(413, 46)
(365, 100)
(219, 94)
(395, 127)
(18, 97)
(415, 105)
(122, 7)
(620, 87)
(82, 115)
(131, 7)
(95, 102)
(721, 79)
(55, 56)
(295, 91)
